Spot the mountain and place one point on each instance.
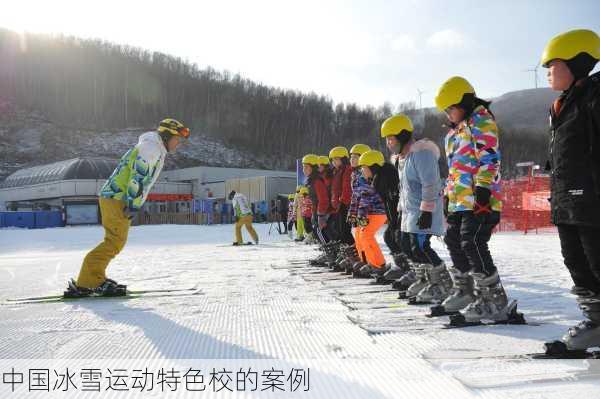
(27, 139)
(524, 109)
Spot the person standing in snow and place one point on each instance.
(305, 210)
(243, 217)
(356, 180)
(574, 166)
(326, 173)
(121, 198)
(370, 214)
(291, 216)
(341, 192)
(319, 196)
(473, 203)
(421, 207)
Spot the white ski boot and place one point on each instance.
(438, 286)
(421, 272)
(460, 296)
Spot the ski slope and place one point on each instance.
(260, 307)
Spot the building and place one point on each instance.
(214, 182)
(72, 186)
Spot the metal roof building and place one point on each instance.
(72, 185)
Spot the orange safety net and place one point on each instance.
(525, 204)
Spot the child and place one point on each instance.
(370, 214)
(341, 192)
(474, 205)
(574, 165)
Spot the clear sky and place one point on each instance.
(366, 52)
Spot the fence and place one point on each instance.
(525, 204)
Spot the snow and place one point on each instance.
(260, 308)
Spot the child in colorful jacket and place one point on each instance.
(370, 214)
(473, 204)
(356, 179)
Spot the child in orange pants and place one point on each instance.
(370, 215)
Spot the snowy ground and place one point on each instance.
(259, 308)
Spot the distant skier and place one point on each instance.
(121, 198)
(574, 165)
(291, 216)
(243, 217)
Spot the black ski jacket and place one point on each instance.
(386, 185)
(574, 155)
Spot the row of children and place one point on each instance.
(362, 192)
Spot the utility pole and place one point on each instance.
(420, 92)
(535, 73)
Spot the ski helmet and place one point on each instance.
(452, 92)
(339, 152)
(310, 159)
(569, 44)
(396, 125)
(173, 127)
(371, 158)
(359, 149)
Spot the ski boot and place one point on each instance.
(356, 267)
(491, 304)
(438, 286)
(368, 271)
(405, 281)
(460, 296)
(310, 239)
(584, 335)
(398, 269)
(108, 288)
(421, 272)
(347, 254)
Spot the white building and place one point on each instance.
(73, 185)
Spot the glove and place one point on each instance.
(425, 220)
(130, 212)
(362, 221)
(482, 206)
(351, 219)
(446, 202)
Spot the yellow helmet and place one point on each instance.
(291, 196)
(303, 190)
(338, 152)
(569, 44)
(173, 127)
(359, 149)
(310, 159)
(452, 92)
(298, 189)
(323, 160)
(395, 125)
(371, 158)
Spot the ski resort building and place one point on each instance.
(187, 196)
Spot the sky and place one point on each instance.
(364, 52)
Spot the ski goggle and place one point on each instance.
(184, 132)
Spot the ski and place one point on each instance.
(439, 311)
(129, 294)
(458, 321)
